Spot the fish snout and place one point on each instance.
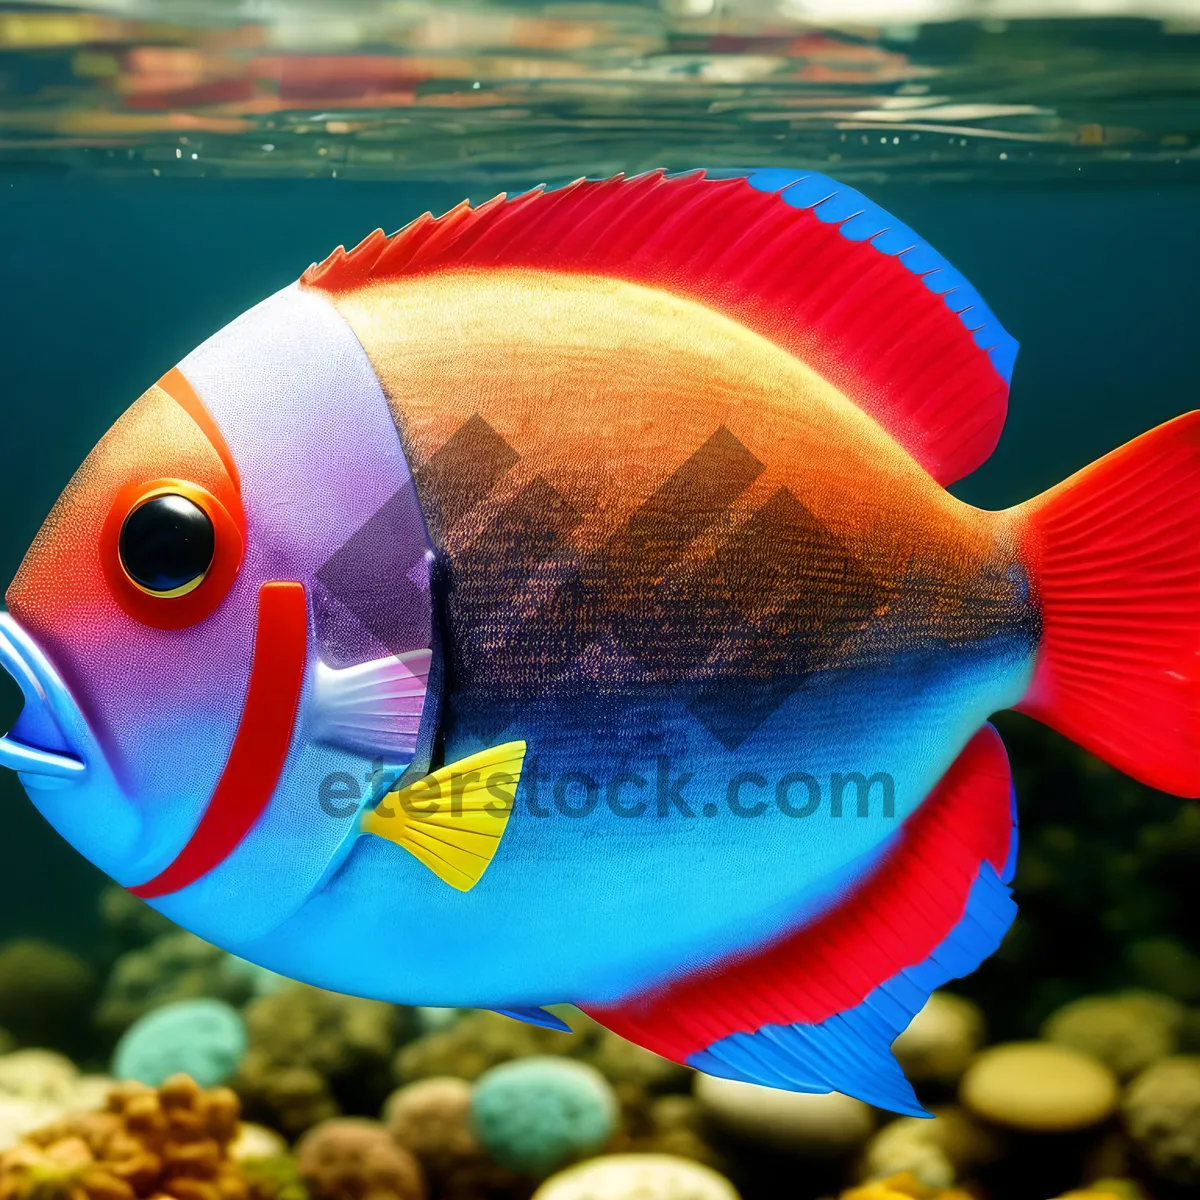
(43, 744)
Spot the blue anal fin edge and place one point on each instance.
(850, 1052)
(531, 1015)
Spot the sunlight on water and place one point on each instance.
(405, 88)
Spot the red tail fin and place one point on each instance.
(1115, 557)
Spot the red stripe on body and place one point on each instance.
(260, 746)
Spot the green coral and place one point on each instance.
(46, 994)
(175, 966)
(276, 1178)
(313, 1054)
(131, 922)
(481, 1040)
(1161, 1109)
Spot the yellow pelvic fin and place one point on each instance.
(452, 820)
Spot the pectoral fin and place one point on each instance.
(452, 820)
(374, 707)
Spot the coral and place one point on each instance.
(201, 1038)
(46, 994)
(1127, 1031)
(623, 1062)
(1161, 1110)
(537, 1113)
(256, 1143)
(903, 1186)
(644, 1176)
(482, 1040)
(291, 1099)
(934, 1152)
(941, 1038)
(432, 1120)
(1038, 1086)
(1108, 1189)
(314, 1053)
(19, 1117)
(39, 1086)
(826, 1125)
(276, 1178)
(166, 1142)
(259, 980)
(176, 966)
(674, 1125)
(333, 1033)
(130, 921)
(430, 1020)
(39, 1075)
(349, 1159)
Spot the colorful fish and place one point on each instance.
(560, 600)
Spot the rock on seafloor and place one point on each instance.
(1161, 1111)
(432, 1120)
(534, 1114)
(1039, 1087)
(936, 1152)
(351, 1158)
(941, 1039)
(637, 1177)
(823, 1125)
(205, 1039)
(1126, 1031)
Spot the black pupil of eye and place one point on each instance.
(166, 543)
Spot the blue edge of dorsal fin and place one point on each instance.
(851, 1051)
(861, 220)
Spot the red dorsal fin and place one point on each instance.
(807, 263)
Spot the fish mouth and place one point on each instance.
(42, 752)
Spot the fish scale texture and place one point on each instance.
(892, 324)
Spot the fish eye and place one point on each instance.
(166, 545)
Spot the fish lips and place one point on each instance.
(45, 742)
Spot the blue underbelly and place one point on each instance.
(636, 856)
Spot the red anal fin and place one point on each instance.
(818, 1009)
(802, 260)
(260, 745)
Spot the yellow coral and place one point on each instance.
(171, 1143)
(904, 1186)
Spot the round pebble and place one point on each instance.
(826, 1125)
(1040, 1087)
(637, 1177)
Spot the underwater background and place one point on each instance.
(164, 166)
